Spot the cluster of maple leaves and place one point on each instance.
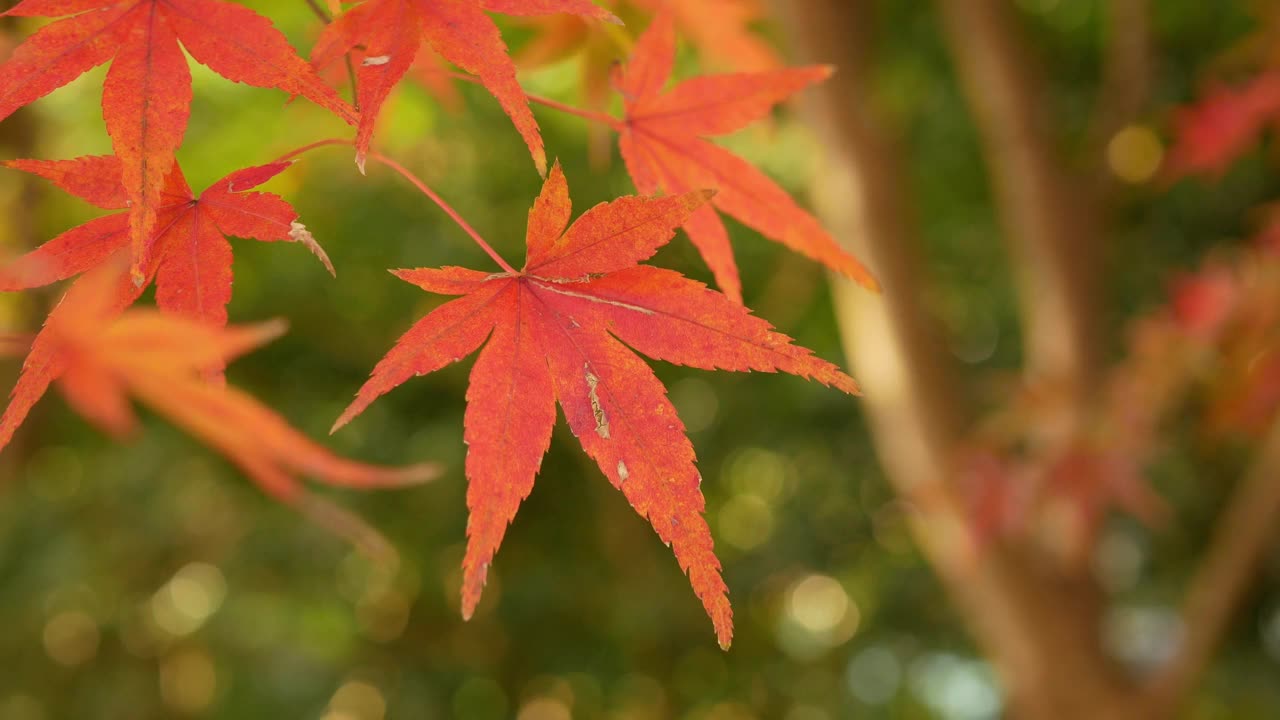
(560, 330)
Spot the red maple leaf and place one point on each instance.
(188, 253)
(721, 31)
(99, 356)
(1217, 129)
(555, 332)
(146, 98)
(662, 138)
(391, 31)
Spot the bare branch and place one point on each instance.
(1041, 632)
(1241, 538)
(1048, 224)
(1127, 65)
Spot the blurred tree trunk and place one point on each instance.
(1041, 628)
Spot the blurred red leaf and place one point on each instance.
(100, 356)
(1217, 129)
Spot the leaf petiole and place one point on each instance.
(592, 115)
(418, 183)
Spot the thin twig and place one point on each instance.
(351, 77)
(319, 11)
(326, 18)
(418, 183)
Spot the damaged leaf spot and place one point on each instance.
(602, 420)
(623, 472)
(300, 234)
(376, 60)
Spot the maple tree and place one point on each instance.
(1010, 501)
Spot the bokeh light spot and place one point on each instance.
(874, 675)
(545, 708)
(188, 681)
(818, 603)
(190, 597)
(956, 688)
(819, 615)
(1135, 154)
(759, 472)
(71, 638)
(358, 700)
(745, 522)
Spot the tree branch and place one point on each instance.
(1126, 76)
(1048, 224)
(1241, 537)
(1040, 633)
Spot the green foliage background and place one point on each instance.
(151, 580)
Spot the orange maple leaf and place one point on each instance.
(99, 356)
(389, 33)
(720, 30)
(187, 254)
(662, 139)
(555, 331)
(146, 99)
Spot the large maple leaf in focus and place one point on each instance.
(146, 99)
(389, 33)
(99, 355)
(555, 332)
(662, 139)
(187, 254)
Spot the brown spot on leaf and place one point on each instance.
(602, 420)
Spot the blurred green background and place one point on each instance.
(151, 580)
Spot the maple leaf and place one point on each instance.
(555, 332)
(1216, 130)
(662, 139)
(100, 354)
(719, 29)
(146, 99)
(187, 254)
(389, 33)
